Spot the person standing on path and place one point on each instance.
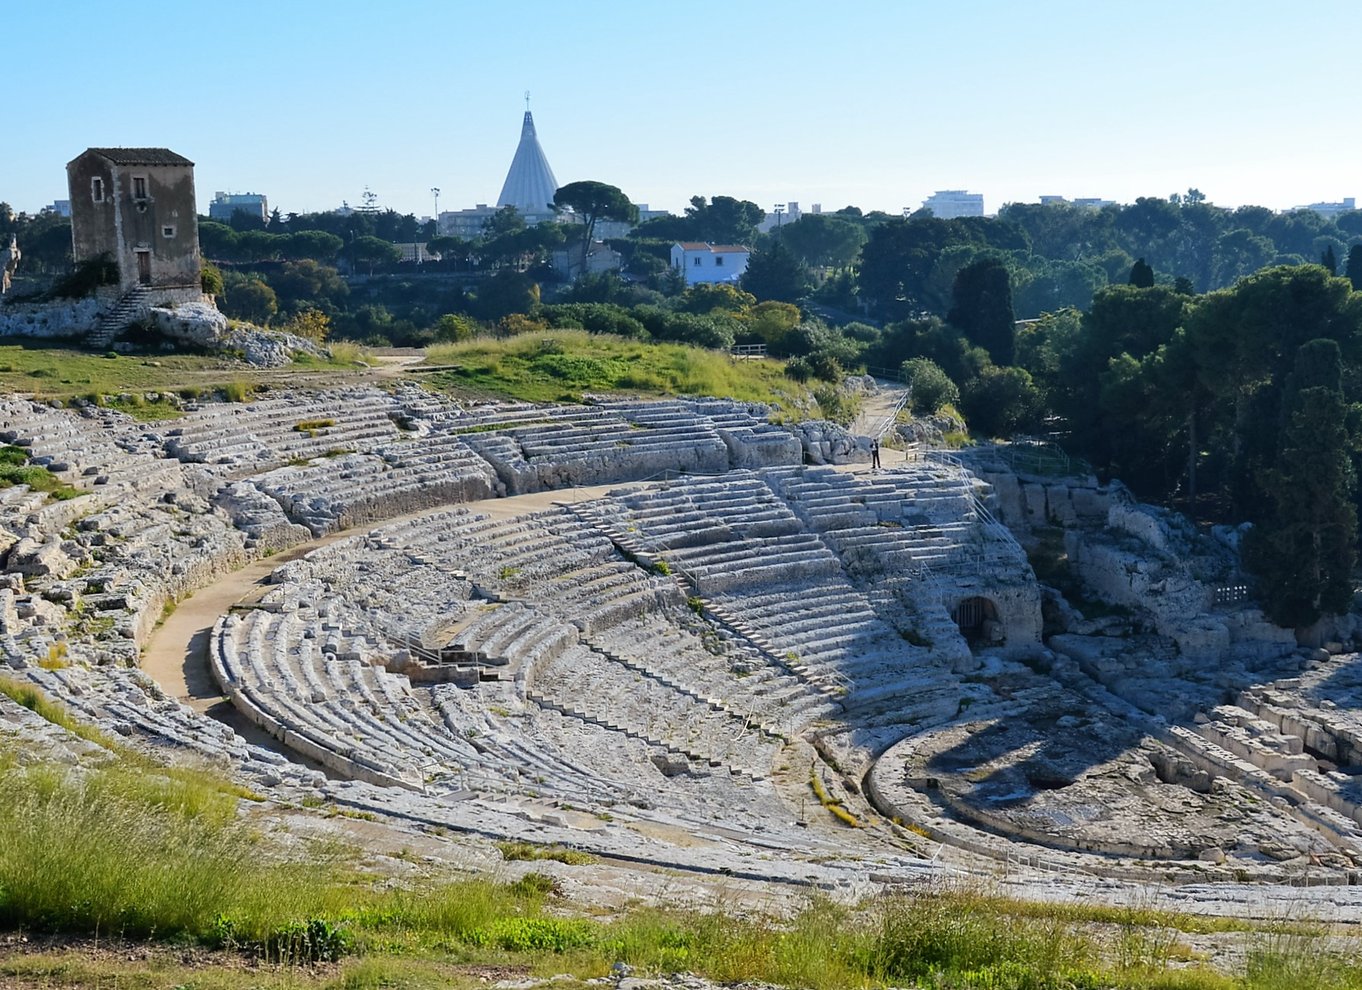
(875, 454)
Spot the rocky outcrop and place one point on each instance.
(60, 318)
(202, 325)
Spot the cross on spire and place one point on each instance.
(527, 101)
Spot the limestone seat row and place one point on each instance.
(302, 683)
(270, 432)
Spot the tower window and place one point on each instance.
(139, 187)
(97, 189)
(168, 231)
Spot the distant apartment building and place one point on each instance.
(788, 213)
(225, 205)
(61, 207)
(1331, 210)
(601, 258)
(1087, 202)
(947, 204)
(700, 262)
(606, 229)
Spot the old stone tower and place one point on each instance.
(137, 205)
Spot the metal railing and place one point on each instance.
(986, 518)
(1030, 455)
(893, 416)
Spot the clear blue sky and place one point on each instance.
(873, 103)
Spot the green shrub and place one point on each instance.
(15, 470)
(931, 387)
(238, 391)
(87, 276)
(837, 405)
(537, 885)
(307, 942)
(535, 934)
(210, 279)
(799, 369)
(512, 851)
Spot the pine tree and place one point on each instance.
(1304, 550)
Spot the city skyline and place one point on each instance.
(772, 103)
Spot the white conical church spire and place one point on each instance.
(530, 184)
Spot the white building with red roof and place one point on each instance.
(702, 262)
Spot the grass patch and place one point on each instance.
(56, 658)
(238, 391)
(197, 781)
(529, 851)
(49, 371)
(127, 850)
(549, 366)
(30, 697)
(834, 806)
(15, 470)
(117, 851)
(312, 426)
(344, 352)
(139, 407)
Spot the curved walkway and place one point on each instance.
(176, 654)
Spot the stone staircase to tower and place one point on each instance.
(129, 305)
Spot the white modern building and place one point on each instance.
(1087, 202)
(947, 204)
(1331, 210)
(701, 262)
(224, 205)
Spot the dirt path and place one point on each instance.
(878, 407)
(176, 655)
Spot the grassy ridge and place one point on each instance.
(558, 365)
(62, 372)
(123, 850)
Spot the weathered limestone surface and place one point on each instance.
(680, 649)
(64, 318)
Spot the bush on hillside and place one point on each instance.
(931, 387)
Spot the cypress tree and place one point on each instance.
(1141, 275)
(1329, 260)
(1354, 269)
(981, 308)
(1303, 550)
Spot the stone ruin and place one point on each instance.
(675, 615)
